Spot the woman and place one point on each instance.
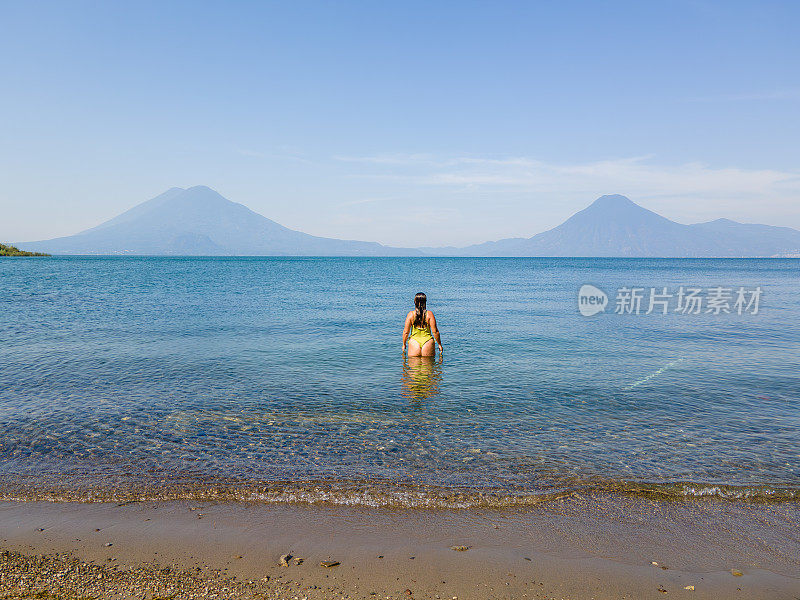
(422, 325)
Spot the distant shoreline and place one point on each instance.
(414, 257)
(14, 251)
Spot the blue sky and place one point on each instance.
(404, 123)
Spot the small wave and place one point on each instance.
(322, 493)
(374, 494)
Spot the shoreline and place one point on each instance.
(374, 493)
(578, 547)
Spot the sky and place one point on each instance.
(405, 123)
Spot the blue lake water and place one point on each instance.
(283, 379)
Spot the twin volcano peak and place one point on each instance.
(199, 221)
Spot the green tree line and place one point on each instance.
(14, 251)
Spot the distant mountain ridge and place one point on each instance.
(199, 221)
(614, 226)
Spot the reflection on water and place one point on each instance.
(422, 377)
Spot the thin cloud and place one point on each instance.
(749, 97)
(388, 159)
(685, 189)
(639, 172)
(361, 201)
(271, 156)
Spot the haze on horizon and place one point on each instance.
(409, 125)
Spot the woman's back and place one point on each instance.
(425, 326)
(421, 324)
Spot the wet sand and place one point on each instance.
(579, 548)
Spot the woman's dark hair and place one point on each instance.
(420, 300)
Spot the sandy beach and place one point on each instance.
(579, 548)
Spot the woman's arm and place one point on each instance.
(406, 329)
(435, 331)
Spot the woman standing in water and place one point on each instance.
(422, 325)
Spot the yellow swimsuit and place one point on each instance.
(421, 335)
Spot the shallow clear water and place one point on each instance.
(283, 378)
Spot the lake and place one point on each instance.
(282, 379)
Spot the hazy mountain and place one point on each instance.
(199, 221)
(615, 226)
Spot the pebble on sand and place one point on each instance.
(329, 563)
(65, 576)
(736, 573)
(284, 560)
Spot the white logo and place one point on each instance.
(591, 300)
